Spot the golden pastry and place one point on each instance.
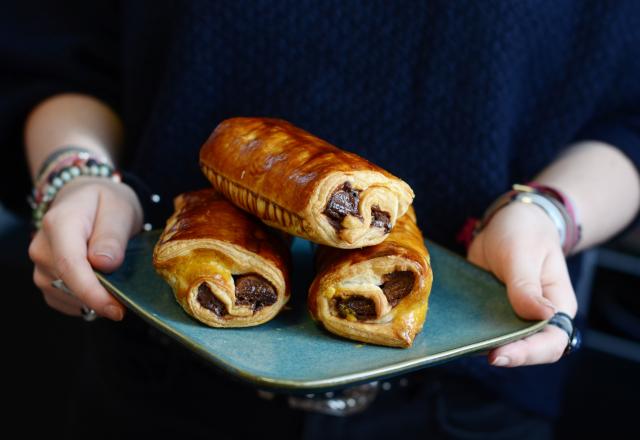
(225, 268)
(300, 184)
(377, 294)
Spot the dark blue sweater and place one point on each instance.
(460, 99)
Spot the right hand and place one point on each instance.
(521, 247)
(86, 227)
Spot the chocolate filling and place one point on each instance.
(363, 308)
(344, 201)
(380, 219)
(254, 291)
(397, 285)
(208, 300)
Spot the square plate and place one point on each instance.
(468, 313)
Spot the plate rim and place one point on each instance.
(320, 384)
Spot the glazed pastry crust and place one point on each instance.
(209, 240)
(286, 176)
(361, 272)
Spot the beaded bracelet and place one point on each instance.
(555, 204)
(61, 168)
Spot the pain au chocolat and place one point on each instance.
(377, 294)
(225, 268)
(300, 184)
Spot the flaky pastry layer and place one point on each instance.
(301, 184)
(378, 294)
(224, 267)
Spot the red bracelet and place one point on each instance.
(468, 232)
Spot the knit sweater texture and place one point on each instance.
(458, 98)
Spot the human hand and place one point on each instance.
(87, 226)
(521, 246)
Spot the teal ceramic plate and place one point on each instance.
(468, 313)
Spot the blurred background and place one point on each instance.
(45, 346)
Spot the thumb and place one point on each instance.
(106, 251)
(113, 225)
(524, 287)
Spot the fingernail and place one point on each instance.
(501, 361)
(104, 253)
(113, 312)
(545, 302)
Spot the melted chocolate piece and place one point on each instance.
(380, 219)
(208, 300)
(363, 308)
(397, 285)
(253, 290)
(344, 201)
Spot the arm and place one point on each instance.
(91, 218)
(603, 185)
(522, 248)
(71, 119)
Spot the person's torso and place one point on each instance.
(459, 99)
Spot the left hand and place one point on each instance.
(521, 246)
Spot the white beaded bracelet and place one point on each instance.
(61, 168)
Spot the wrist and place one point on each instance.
(548, 201)
(65, 156)
(59, 169)
(515, 218)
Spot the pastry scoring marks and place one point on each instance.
(258, 205)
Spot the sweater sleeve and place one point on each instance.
(49, 48)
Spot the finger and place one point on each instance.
(522, 275)
(62, 296)
(62, 307)
(543, 347)
(43, 281)
(52, 297)
(43, 278)
(116, 220)
(43, 261)
(556, 283)
(68, 236)
(39, 251)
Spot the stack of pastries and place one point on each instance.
(229, 268)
